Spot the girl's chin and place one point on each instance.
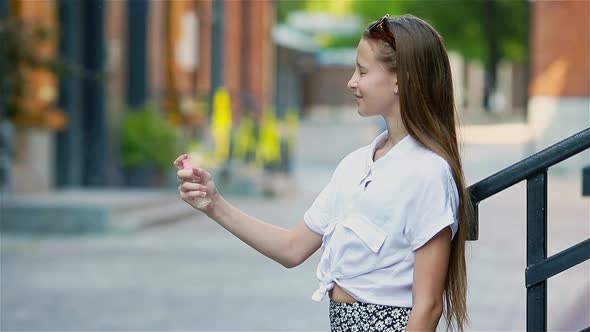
(362, 113)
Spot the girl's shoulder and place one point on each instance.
(354, 158)
(429, 165)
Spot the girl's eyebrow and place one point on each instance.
(360, 66)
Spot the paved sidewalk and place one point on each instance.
(194, 275)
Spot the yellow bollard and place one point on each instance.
(292, 127)
(244, 139)
(221, 122)
(269, 147)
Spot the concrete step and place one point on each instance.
(163, 212)
(89, 211)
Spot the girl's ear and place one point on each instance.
(395, 84)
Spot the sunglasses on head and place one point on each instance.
(381, 28)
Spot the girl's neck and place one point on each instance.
(394, 135)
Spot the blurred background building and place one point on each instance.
(169, 56)
(119, 88)
(98, 97)
(559, 102)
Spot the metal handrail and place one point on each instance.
(524, 169)
(539, 268)
(557, 263)
(534, 164)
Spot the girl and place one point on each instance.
(394, 217)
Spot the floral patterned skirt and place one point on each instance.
(367, 317)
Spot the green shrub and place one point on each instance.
(147, 137)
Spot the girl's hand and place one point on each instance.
(196, 186)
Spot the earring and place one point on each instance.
(395, 91)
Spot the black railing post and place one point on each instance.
(96, 158)
(586, 181)
(217, 41)
(69, 167)
(4, 8)
(137, 61)
(537, 249)
(6, 128)
(539, 267)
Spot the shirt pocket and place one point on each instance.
(370, 234)
(355, 247)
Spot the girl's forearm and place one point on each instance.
(424, 319)
(270, 240)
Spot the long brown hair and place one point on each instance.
(428, 113)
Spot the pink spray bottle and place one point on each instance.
(202, 202)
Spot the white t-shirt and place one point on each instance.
(373, 216)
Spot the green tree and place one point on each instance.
(468, 26)
(285, 7)
(487, 31)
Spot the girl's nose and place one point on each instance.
(351, 83)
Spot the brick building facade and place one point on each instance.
(559, 101)
(178, 61)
